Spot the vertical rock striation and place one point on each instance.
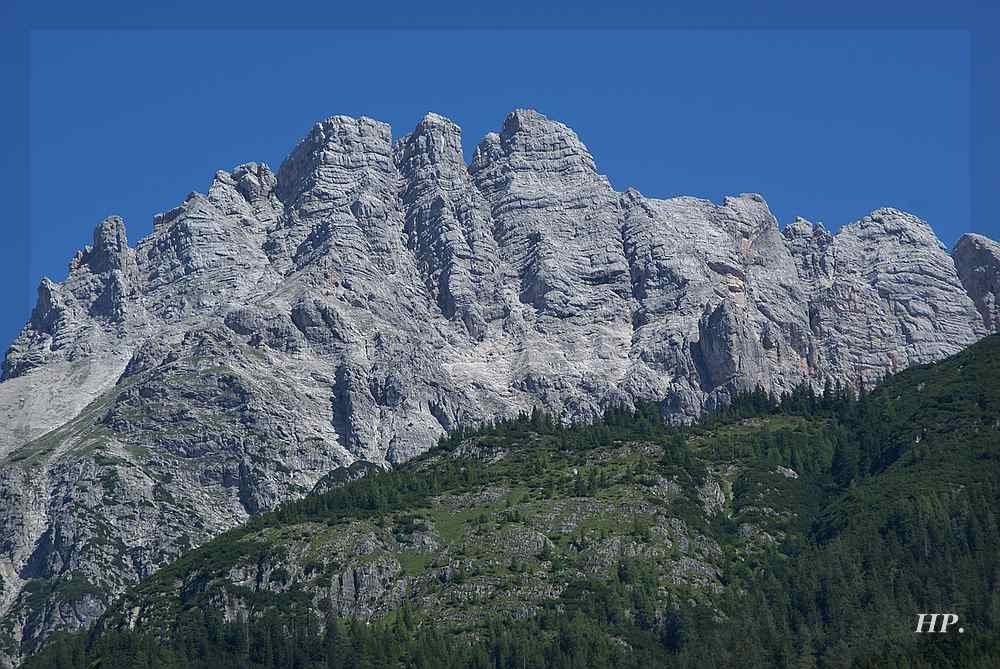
(978, 261)
(449, 227)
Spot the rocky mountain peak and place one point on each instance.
(435, 140)
(973, 240)
(748, 215)
(254, 181)
(540, 143)
(977, 259)
(528, 121)
(799, 228)
(333, 145)
(80, 316)
(110, 250)
(432, 120)
(888, 222)
(487, 151)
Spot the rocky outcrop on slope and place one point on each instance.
(373, 294)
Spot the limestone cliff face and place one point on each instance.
(884, 295)
(373, 294)
(978, 261)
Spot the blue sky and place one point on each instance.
(825, 124)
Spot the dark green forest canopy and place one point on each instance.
(893, 512)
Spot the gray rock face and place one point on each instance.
(373, 294)
(978, 261)
(206, 254)
(884, 295)
(555, 218)
(81, 316)
(449, 227)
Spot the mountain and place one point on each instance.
(978, 262)
(805, 534)
(374, 295)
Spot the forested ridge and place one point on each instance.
(884, 506)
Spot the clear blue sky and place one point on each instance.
(827, 125)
